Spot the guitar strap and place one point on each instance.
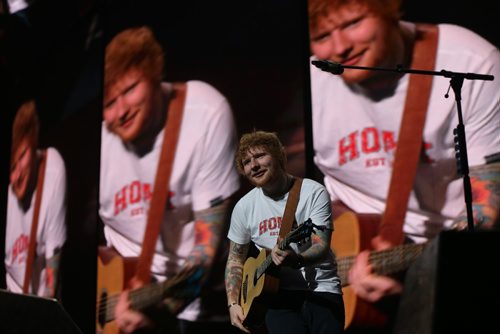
(162, 181)
(291, 206)
(34, 223)
(410, 140)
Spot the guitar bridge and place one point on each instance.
(101, 309)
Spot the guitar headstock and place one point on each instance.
(302, 232)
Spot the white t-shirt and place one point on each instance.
(355, 135)
(51, 232)
(203, 173)
(17, 5)
(257, 218)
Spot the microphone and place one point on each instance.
(328, 66)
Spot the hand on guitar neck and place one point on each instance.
(178, 292)
(368, 285)
(365, 282)
(119, 306)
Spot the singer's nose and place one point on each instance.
(341, 44)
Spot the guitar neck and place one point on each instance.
(147, 295)
(269, 260)
(139, 298)
(384, 262)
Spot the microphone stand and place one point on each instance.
(456, 82)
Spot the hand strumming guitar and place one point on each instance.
(237, 317)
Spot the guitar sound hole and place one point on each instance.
(244, 287)
(101, 318)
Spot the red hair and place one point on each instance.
(389, 9)
(25, 126)
(133, 49)
(268, 141)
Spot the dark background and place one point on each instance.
(255, 52)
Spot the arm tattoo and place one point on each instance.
(234, 270)
(319, 248)
(485, 184)
(51, 272)
(209, 227)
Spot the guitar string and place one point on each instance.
(282, 245)
(142, 295)
(383, 257)
(111, 301)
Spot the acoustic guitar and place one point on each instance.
(353, 233)
(259, 283)
(113, 272)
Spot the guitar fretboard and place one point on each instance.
(147, 295)
(384, 262)
(139, 298)
(268, 260)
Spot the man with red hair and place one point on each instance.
(202, 182)
(357, 116)
(25, 173)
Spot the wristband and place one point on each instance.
(232, 304)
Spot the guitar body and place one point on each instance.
(260, 280)
(353, 233)
(255, 290)
(113, 273)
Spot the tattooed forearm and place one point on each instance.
(51, 273)
(209, 227)
(320, 246)
(485, 185)
(234, 270)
